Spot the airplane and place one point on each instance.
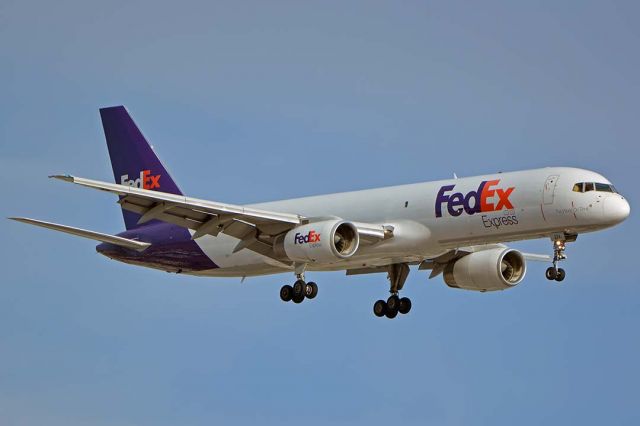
(455, 227)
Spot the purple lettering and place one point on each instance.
(441, 198)
(456, 200)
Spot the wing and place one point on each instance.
(255, 228)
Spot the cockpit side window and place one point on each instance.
(591, 186)
(604, 187)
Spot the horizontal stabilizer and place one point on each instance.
(92, 235)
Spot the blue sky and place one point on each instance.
(252, 101)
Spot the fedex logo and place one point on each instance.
(485, 199)
(311, 237)
(145, 181)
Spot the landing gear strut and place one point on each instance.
(553, 272)
(299, 291)
(397, 276)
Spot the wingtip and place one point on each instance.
(66, 178)
(18, 219)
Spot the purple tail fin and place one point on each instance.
(132, 158)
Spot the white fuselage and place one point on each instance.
(520, 205)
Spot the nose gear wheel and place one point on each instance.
(553, 273)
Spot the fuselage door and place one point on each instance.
(549, 190)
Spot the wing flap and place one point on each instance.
(92, 235)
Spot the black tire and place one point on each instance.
(311, 290)
(298, 299)
(380, 308)
(405, 305)
(561, 274)
(298, 288)
(391, 314)
(551, 273)
(286, 293)
(393, 303)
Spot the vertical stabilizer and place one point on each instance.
(133, 160)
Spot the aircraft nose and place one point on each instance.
(616, 209)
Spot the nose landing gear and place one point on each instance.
(553, 272)
(394, 305)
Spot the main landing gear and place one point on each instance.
(299, 291)
(395, 304)
(553, 272)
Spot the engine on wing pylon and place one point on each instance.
(319, 242)
(486, 270)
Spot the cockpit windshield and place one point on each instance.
(594, 186)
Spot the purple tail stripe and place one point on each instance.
(172, 249)
(134, 163)
(132, 158)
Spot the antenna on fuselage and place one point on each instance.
(455, 176)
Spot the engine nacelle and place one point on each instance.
(487, 270)
(319, 242)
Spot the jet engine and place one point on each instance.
(318, 242)
(486, 270)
